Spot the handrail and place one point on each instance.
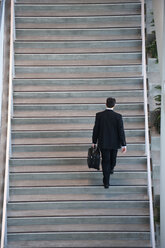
(147, 145)
(2, 21)
(8, 142)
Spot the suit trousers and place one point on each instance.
(108, 163)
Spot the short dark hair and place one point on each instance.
(110, 102)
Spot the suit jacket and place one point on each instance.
(108, 130)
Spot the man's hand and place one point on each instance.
(124, 149)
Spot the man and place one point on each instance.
(108, 133)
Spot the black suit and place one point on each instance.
(108, 132)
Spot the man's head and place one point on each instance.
(110, 102)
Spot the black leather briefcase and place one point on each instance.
(93, 159)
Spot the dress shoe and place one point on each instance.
(104, 182)
(106, 186)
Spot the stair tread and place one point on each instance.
(41, 127)
(38, 25)
(85, 9)
(52, 88)
(66, 14)
(73, 110)
(78, 71)
(40, 194)
(57, 124)
(78, 34)
(79, 208)
(54, 100)
(81, 212)
(49, 183)
(40, 113)
(26, 62)
(64, 141)
(33, 85)
(63, 137)
(75, 168)
(77, 47)
(75, 178)
(76, 227)
(75, 1)
(93, 243)
(118, 93)
(34, 168)
(73, 197)
(71, 151)
(41, 154)
(66, 165)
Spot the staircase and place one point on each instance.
(70, 55)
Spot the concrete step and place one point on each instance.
(78, 34)
(67, 137)
(78, 59)
(79, 193)
(72, 164)
(78, 224)
(70, 123)
(77, 47)
(34, 85)
(78, 22)
(84, 97)
(75, 179)
(80, 239)
(40, 2)
(78, 208)
(81, 9)
(77, 71)
(73, 110)
(66, 151)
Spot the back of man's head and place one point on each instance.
(110, 102)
